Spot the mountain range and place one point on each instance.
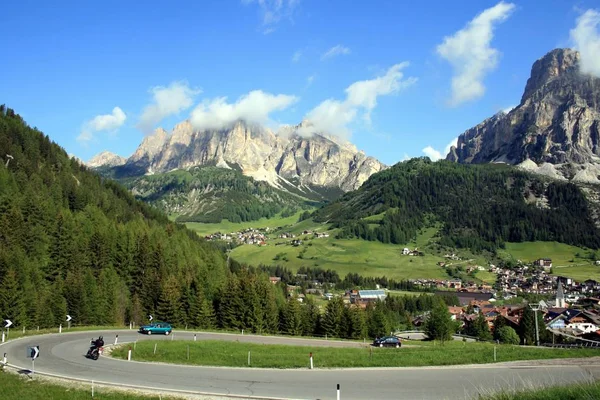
(554, 131)
(287, 159)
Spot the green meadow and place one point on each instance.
(378, 259)
(227, 227)
(235, 354)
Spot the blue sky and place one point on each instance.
(100, 77)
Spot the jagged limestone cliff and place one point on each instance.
(285, 159)
(555, 129)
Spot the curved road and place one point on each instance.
(63, 355)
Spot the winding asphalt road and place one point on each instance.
(63, 355)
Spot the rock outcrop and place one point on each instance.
(286, 159)
(557, 123)
(106, 159)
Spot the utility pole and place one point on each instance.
(535, 307)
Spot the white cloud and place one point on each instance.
(253, 107)
(273, 11)
(166, 101)
(297, 55)
(436, 155)
(310, 80)
(432, 153)
(470, 54)
(105, 122)
(335, 51)
(508, 109)
(334, 116)
(586, 37)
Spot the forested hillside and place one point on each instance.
(479, 206)
(210, 194)
(73, 242)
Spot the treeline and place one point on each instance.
(305, 276)
(479, 206)
(249, 301)
(74, 243)
(211, 194)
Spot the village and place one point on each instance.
(574, 311)
(260, 236)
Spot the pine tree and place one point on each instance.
(230, 307)
(358, 327)
(12, 304)
(202, 314)
(293, 317)
(268, 306)
(169, 302)
(439, 324)
(58, 302)
(310, 318)
(499, 323)
(378, 324)
(527, 327)
(332, 318)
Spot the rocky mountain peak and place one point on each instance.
(294, 158)
(557, 123)
(556, 63)
(106, 158)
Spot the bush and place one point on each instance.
(508, 335)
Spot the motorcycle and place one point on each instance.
(95, 349)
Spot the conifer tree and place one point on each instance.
(231, 307)
(12, 305)
(332, 318)
(357, 325)
(169, 302)
(293, 317)
(439, 324)
(310, 317)
(378, 324)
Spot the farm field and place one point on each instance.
(226, 227)
(344, 256)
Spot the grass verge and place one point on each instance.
(579, 391)
(16, 333)
(16, 387)
(235, 354)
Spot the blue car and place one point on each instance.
(162, 328)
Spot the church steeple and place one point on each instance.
(560, 296)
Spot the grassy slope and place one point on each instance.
(563, 257)
(378, 259)
(347, 255)
(578, 391)
(227, 227)
(216, 353)
(15, 387)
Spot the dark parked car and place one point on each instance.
(387, 341)
(156, 327)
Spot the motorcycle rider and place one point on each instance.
(96, 344)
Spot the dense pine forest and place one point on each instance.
(210, 194)
(479, 206)
(72, 242)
